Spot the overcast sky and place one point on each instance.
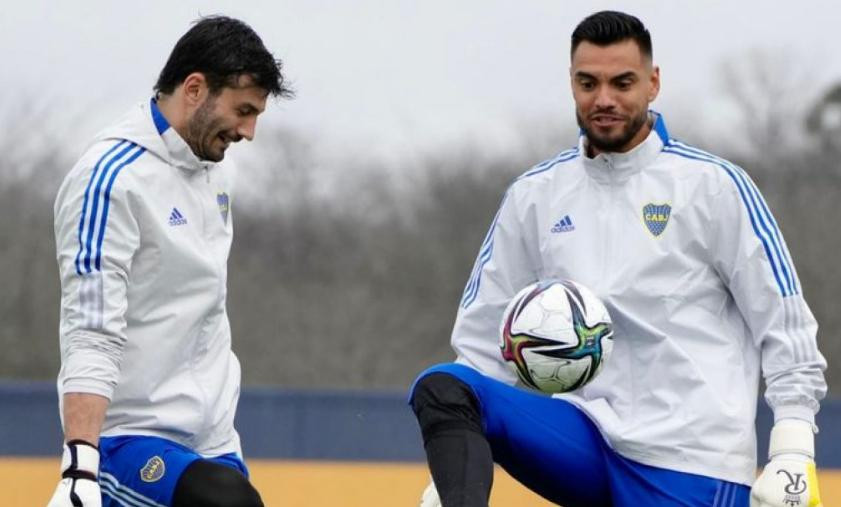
(384, 77)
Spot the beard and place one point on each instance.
(203, 130)
(613, 143)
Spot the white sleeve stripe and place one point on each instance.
(111, 486)
(795, 320)
(91, 302)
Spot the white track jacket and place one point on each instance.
(143, 230)
(698, 281)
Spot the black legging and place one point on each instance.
(208, 484)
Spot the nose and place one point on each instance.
(604, 98)
(246, 128)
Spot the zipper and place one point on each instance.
(609, 223)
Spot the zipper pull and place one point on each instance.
(206, 174)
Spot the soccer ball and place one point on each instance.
(556, 335)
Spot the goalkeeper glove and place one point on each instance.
(789, 478)
(79, 486)
(430, 496)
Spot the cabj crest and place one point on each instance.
(656, 217)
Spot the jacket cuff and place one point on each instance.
(794, 412)
(87, 386)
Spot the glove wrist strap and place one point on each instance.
(792, 436)
(80, 460)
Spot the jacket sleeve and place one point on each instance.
(506, 263)
(96, 237)
(755, 263)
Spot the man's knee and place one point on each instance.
(208, 484)
(443, 402)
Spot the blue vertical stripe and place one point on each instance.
(107, 204)
(85, 201)
(660, 128)
(770, 241)
(157, 117)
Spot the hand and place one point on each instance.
(789, 479)
(79, 486)
(430, 496)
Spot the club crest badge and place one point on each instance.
(656, 217)
(223, 201)
(153, 470)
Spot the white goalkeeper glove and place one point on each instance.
(430, 496)
(79, 486)
(789, 478)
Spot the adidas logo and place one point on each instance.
(176, 218)
(563, 225)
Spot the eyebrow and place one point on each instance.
(625, 75)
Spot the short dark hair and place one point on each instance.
(223, 49)
(609, 27)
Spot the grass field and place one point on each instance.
(28, 482)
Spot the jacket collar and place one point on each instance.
(619, 167)
(178, 151)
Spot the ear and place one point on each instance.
(654, 88)
(195, 88)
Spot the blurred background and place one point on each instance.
(362, 203)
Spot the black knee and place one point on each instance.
(208, 484)
(442, 402)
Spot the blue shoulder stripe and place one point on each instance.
(764, 214)
(107, 204)
(762, 222)
(545, 166)
(85, 201)
(485, 254)
(471, 291)
(100, 193)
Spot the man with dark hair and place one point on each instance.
(704, 300)
(149, 385)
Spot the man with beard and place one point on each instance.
(149, 385)
(703, 296)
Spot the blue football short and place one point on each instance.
(143, 471)
(554, 449)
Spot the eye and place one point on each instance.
(624, 84)
(586, 84)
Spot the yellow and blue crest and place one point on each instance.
(223, 201)
(153, 470)
(656, 217)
